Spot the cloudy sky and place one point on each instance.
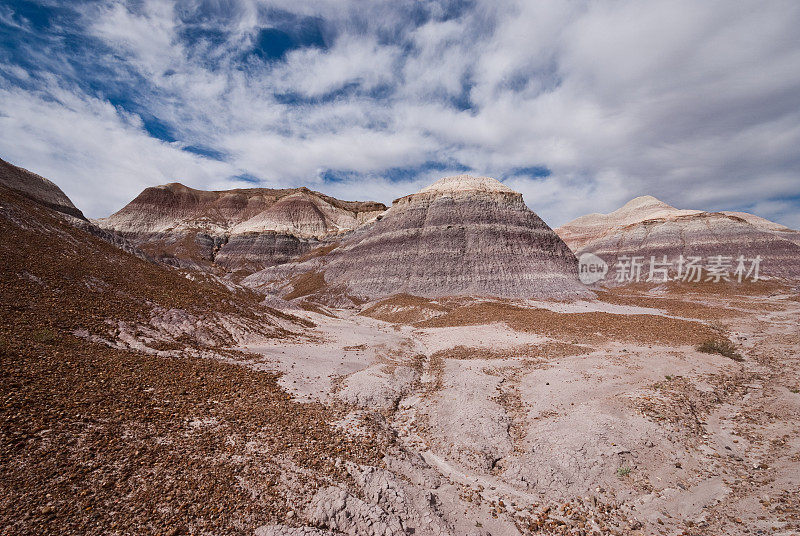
(579, 105)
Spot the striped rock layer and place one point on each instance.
(38, 189)
(461, 236)
(647, 228)
(242, 229)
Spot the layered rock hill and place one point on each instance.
(37, 188)
(462, 235)
(647, 227)
(242, 229)
(45, 193)
(93, 284)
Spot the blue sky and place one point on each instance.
(579, 105)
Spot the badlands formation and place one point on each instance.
(647, 227)
(37, 188)
(234, 229)
(460, 236)
(160, 392)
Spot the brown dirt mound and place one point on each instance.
(71, 280)
(57, 279)
(547, 350)
(314, 308)
(404, 309)
(318, 252)
(674, 306)
(579, 327)
(306, 284)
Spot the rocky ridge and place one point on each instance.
(646, 227)
(462, 235)
(38, 189)
(45, 193)
(241, 229)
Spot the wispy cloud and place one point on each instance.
(696, 103)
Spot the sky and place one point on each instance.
(579, 105)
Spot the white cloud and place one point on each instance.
(147, 37)
(696, 103)
(100, 157)
(313, 72)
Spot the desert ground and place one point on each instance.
(417, 416)
(139, 397)
(591, 417)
